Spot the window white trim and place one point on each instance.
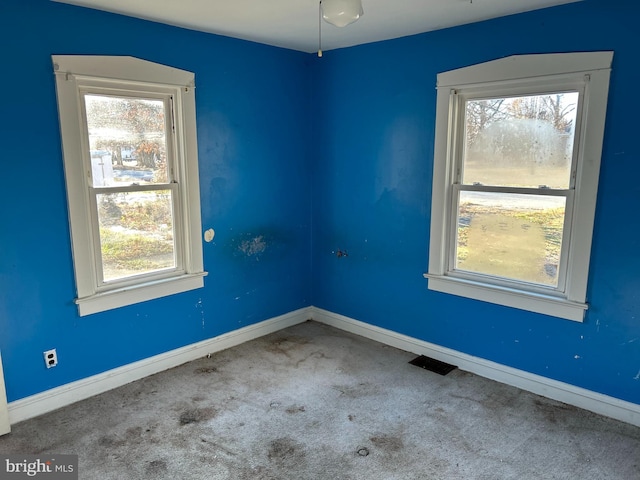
(74, 72)
(137, 293)
(524, 72)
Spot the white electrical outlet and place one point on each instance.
(51, 358)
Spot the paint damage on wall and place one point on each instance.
(259, 244)
(253, 247)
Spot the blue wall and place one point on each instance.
(372, 189)
(286, 138)
(254, 181)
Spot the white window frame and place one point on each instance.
(522, 74)
(76, 73)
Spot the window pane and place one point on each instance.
(520, 141)
(136, 233)
(127, 140)
(514, 236)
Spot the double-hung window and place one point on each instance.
(516, 164)
(131, 169)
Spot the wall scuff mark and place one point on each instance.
(199, 306)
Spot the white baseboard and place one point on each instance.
(546, 387)
(64, 395)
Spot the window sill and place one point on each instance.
(533, 302)
(121, 297)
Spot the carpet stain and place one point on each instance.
(132, 436)
(550, 411)
(133, 432)
(314, 355)
(285, 450)
(284, 346)
(196, 415)
(498, 401)
(156, 467)
(360, 390)
(205, 370)
(109, 441)
(295, 409)
(388, 443)
(363, 451)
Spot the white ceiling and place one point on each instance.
(293, 24)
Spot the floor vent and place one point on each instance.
(433, 365)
